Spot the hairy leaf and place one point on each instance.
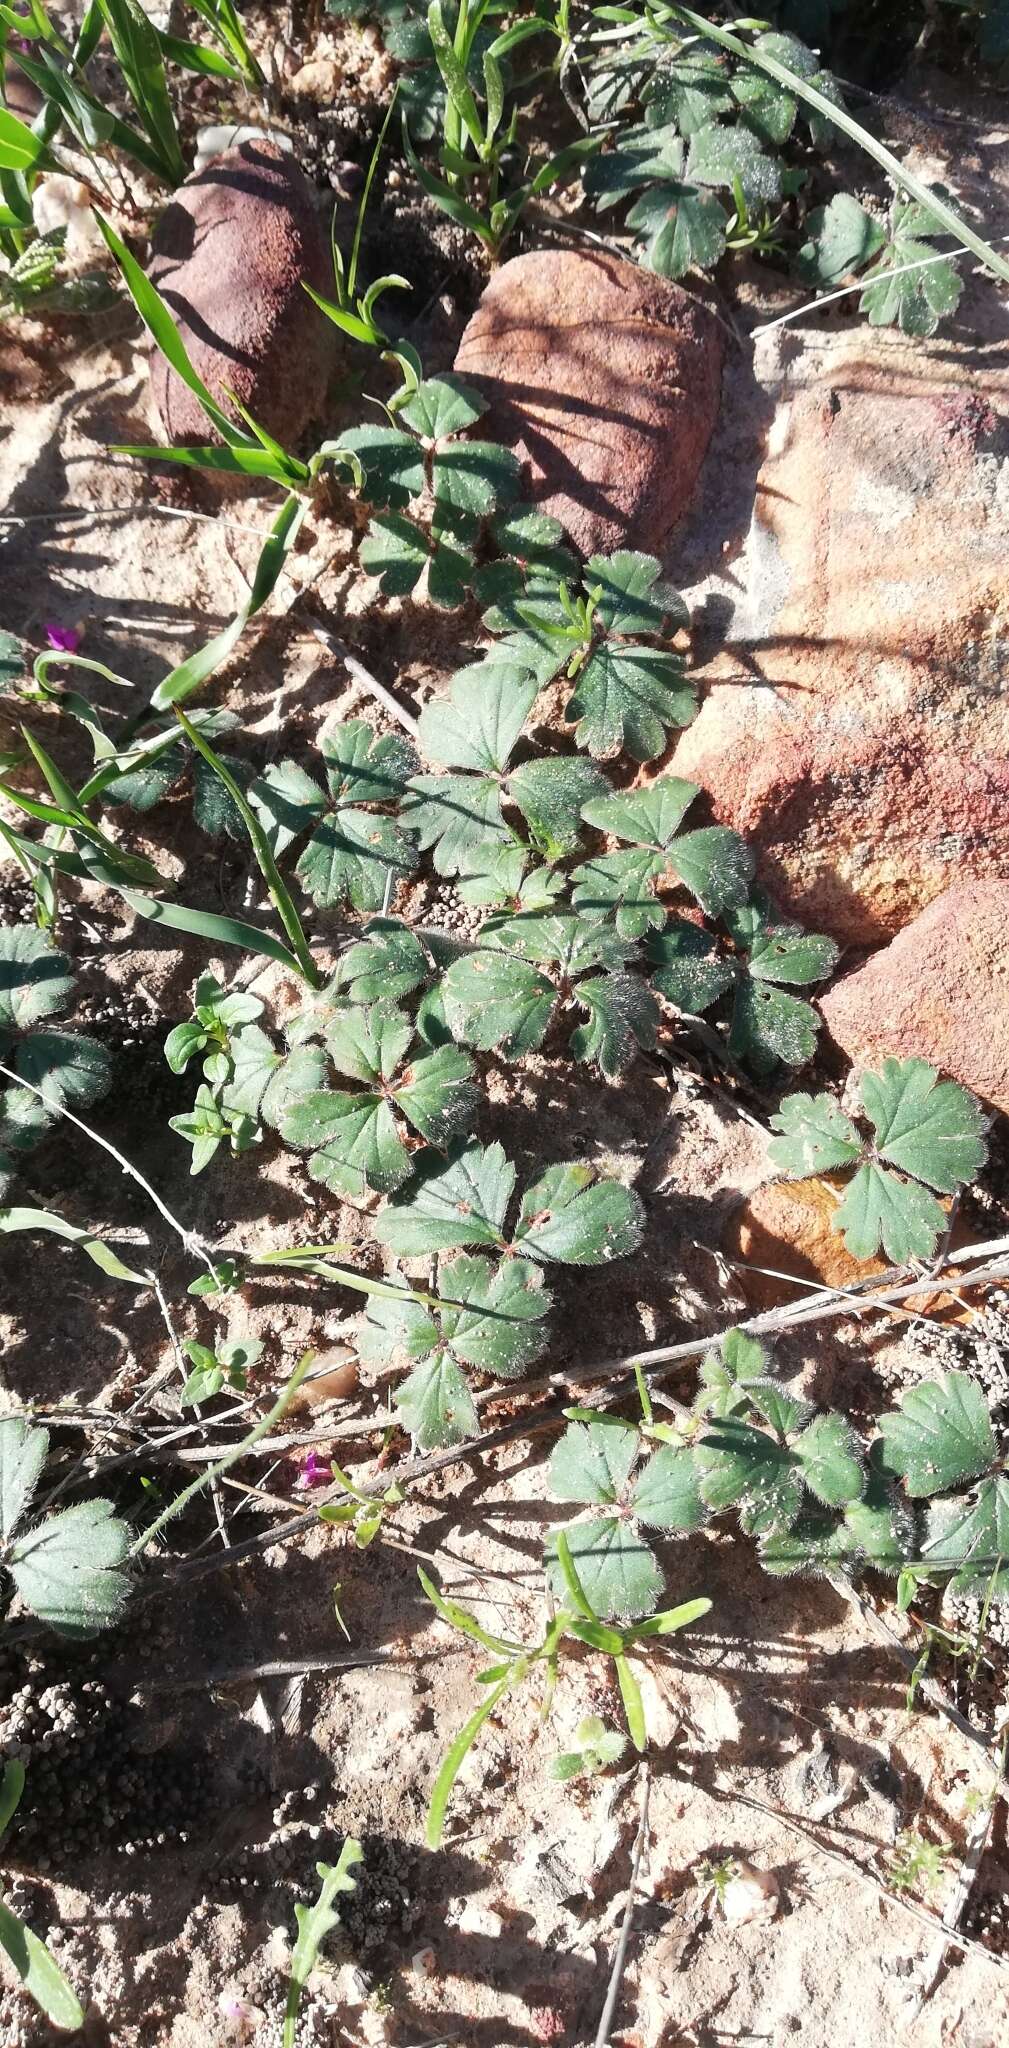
(667, 1495)
(827, 1451)
(689, 971)
(970, 1538)
(35, 979)
(623, 1015)
(352, 857)
(459, 1202)
(626, 698)
(941, 1436)
(493, 999)
(578, 1220)
(23, 1452)
(879, 1208)
(436, 1404)
(924, 1126)
(592, 1461)
(617, 1570)
(66, 1569)
(816, 1137)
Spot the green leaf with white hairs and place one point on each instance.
(941, 1436)
(363, 767)
(592, 1462)
(881, 1209)
(718, 156)
(688, 969)
(368, 1044)
(353, 1140)
(453, 816)
(436, 1404)
(392, 462)
(353, 857)
(968, 1539)
(633, 596)
(729, 1371)
(66, 1569)
(386, 965)
(623, 1016)
(579, 1220)
(286, 801)
(478, 725)
(69, 1069)
(627, 698)
(441, 407)
(35, 979)
(739, 1466)
(678, 228)
(667, 1493)
(551, 793)
(438, 1095)
(616, 1567)
(23, 1453)
(461, 1201)
(815, 1137)
(842, 239)
(828, 1454)
(926, 1127)
(495, 1000)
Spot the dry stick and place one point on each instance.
(278, 1668)
(933, 1965)
(730, 1796)
(613, 1989)
(364, 677)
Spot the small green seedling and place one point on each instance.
(314, 1924)
(40, 1974)
(364, 1513)
(598, 1748)
(926, 1135)
(917, 1865)
(212, 1368)
(514, 1662)
(717, 1876)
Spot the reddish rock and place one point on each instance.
(856, 726)
(606, 382)
(787, 1227)
(230, 255)
(939, 992)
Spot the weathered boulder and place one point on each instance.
(606, 381)
(230, 255)
(940, 992)
(856, 724)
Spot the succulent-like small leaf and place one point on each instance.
(940, 1437)
(592, 1462)
(578, 1220)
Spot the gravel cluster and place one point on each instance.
(89, 1786)
(306, 1831)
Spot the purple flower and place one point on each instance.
(315, 1471)
(65, 639)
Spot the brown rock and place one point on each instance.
(606, 381)
(857, 725)
(787, 1227)
(939, 992)
(230, 254)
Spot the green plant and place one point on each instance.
(363, 1513)
(32, 283)
(217, 1365)
(926, 1135)
(38, 1970)
(598, 1748)
(314, 1924)
(916, 1864)
(354, 313)
(477, 140)
(515, 1662)
(66, 1569)
(906, 282)
(36, 983)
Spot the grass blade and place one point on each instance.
(157, 319)
(41, 1976)
(630, 1693)
(209, 924)
(138, 53)
(280, 895)
(195, 671)
(96, 1249)
(454, 1762)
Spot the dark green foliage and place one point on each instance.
(36, 983)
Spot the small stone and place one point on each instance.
(423, 1962)
(606, 381)
(751, 1894)
(231, 255)
(939, 992)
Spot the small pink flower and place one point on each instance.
(64, 639)
(315, 1471)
